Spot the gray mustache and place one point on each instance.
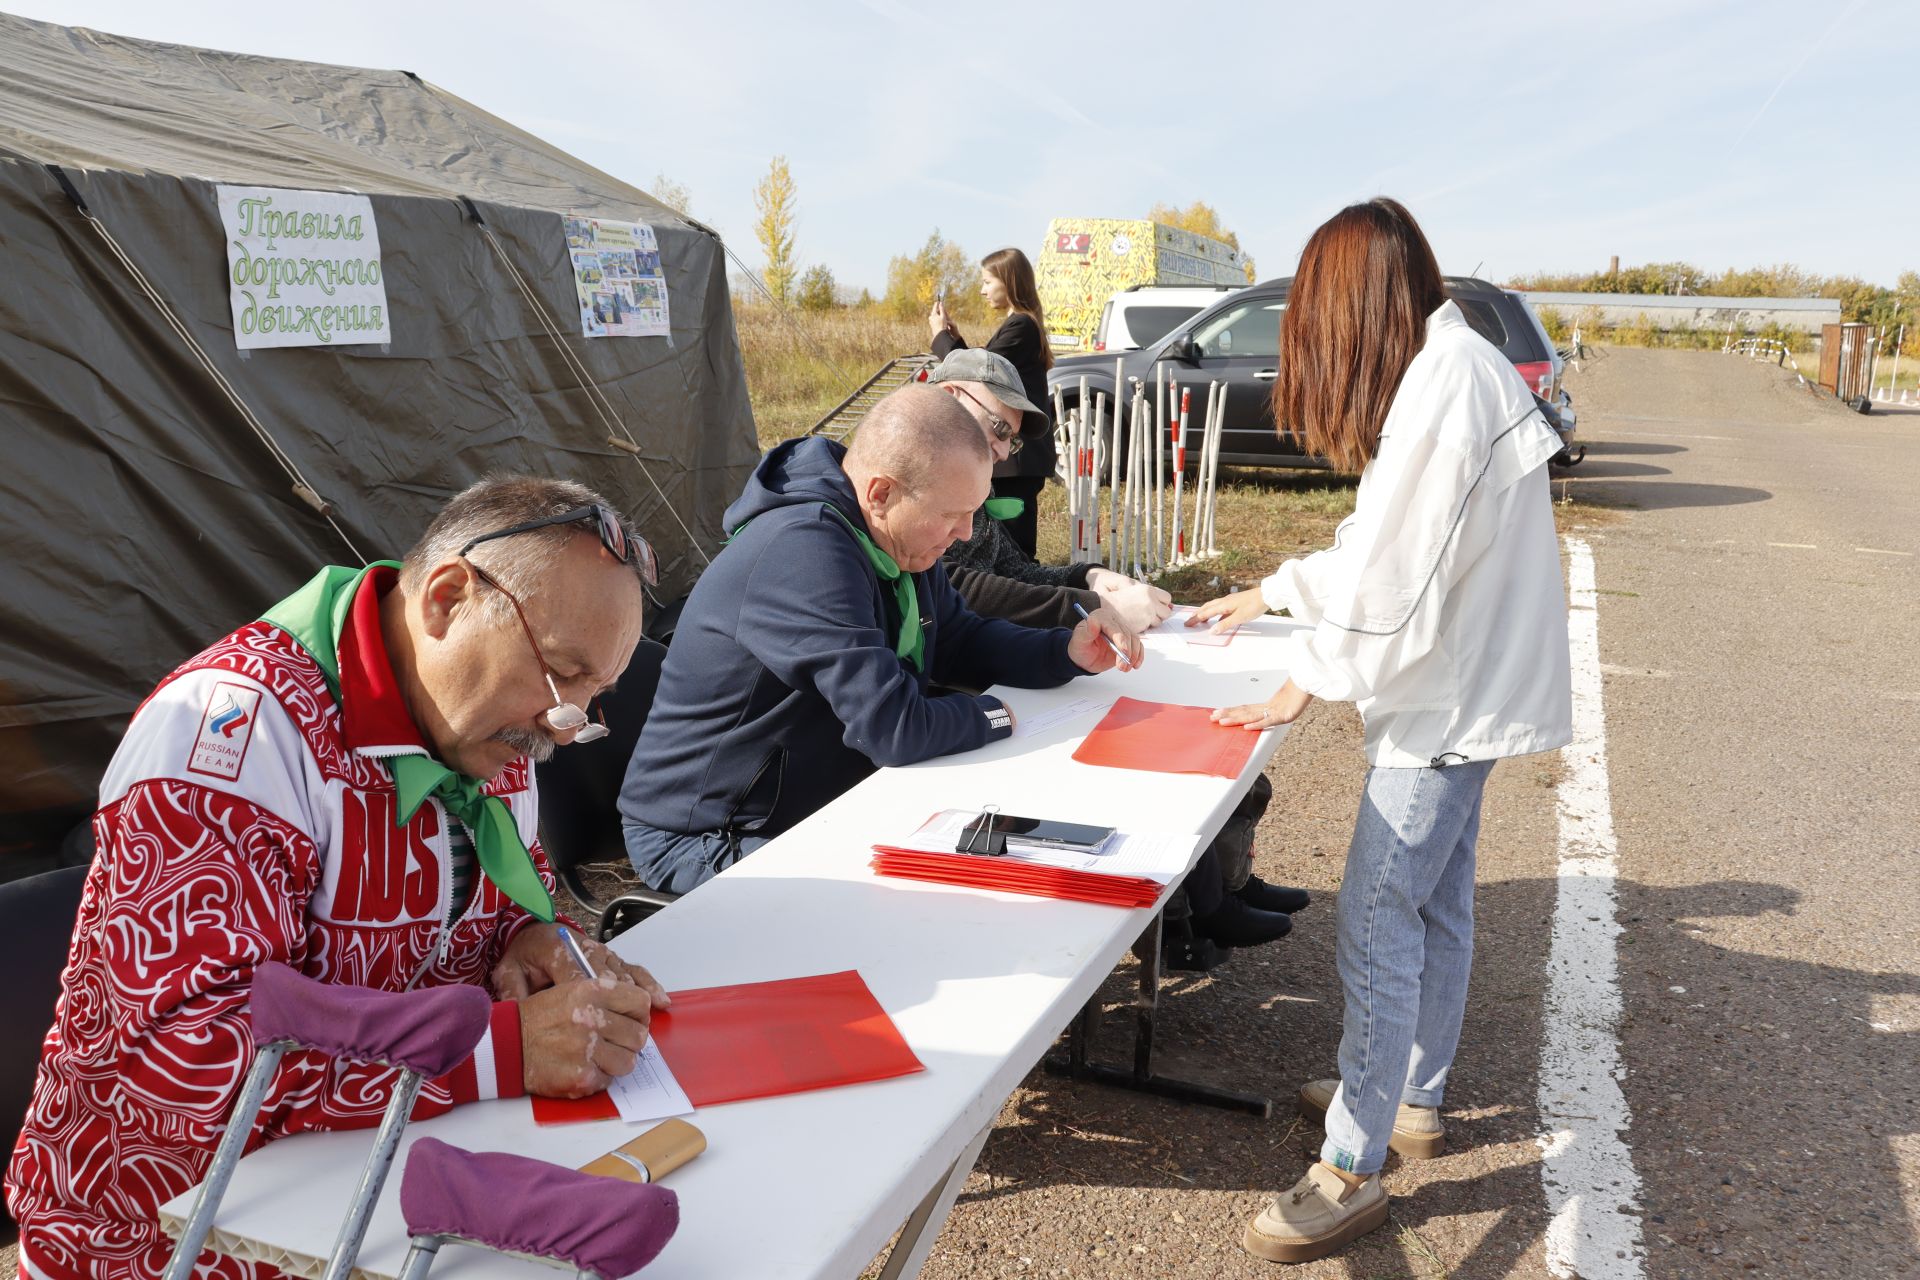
(537, 747)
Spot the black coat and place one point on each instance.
(1024, 345)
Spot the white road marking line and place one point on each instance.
(1797, 546)
(1876, 551)
(1586, 1169)
(1661, 435)
(1609, 669)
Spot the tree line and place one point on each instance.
(941, 268)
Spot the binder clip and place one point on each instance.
(980, 836)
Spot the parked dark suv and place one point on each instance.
(1236, 342)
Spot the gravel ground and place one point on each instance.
(1761, 740)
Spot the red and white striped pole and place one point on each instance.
(1180, 468)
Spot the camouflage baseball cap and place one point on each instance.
(994, 372)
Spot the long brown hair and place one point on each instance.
(1015, 274)
(1355, 319)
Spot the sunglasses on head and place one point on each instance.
(627, 548)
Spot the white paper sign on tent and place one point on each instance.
(618, 276)
(303, 268)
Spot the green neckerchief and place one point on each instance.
(1004, 508)
(911, 643)
(314, 616)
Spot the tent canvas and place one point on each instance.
(142, 516)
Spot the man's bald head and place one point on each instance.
(920, 468)
(916, 434)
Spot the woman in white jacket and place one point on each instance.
(1439, 610)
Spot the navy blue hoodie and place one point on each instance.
(781, 688)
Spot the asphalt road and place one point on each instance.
(1758, 601)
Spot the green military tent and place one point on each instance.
(161, 486)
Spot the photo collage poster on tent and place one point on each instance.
(617, 273)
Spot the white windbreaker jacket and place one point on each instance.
(1440, 609)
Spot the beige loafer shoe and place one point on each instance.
(1322, 1214)
(1417, 1131)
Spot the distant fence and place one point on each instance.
(1692, 311)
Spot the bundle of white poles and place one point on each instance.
(1149, 522)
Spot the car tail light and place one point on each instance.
(1099, 346)
(1538, 375)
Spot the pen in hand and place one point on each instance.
(1112, 644)
(572, 944)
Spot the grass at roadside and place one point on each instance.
(1262, 518)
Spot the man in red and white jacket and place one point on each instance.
(252, 814)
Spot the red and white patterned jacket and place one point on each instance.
(246, 817)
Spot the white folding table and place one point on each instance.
(980, 984)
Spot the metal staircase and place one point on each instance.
(841, 421)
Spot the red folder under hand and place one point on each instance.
(1162, 737)
(763, 1039)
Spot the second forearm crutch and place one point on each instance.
(604, 1228)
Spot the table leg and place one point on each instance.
(910, 1251)
(1142, 1079)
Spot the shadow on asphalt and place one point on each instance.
(1610, 488)
(1752, 1092)
(1597, 467)
(1617, 448)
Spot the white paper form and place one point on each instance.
(1177, 621)
(1026, 726)
(649, 1091)
(1159, 856)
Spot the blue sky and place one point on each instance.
(1525, 137)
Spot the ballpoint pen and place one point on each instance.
(1112, 644)
(572, 944)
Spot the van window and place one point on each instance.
(1146, 325)
(1250, 329)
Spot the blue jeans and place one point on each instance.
(1405, 945)
(676, 862)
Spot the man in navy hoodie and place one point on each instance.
(804, 658)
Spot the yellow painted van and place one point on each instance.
(1085, 261)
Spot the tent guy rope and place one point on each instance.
(302, 489)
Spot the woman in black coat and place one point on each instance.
(1006, 282)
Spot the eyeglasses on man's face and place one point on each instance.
(562, 716)
(1003, 431)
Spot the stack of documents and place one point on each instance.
(1200, 635)
(1129, 870)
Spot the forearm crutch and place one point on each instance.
(425, 1033)
(603, 1228)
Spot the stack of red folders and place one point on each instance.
(1015, 875)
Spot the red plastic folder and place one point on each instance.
(1011, 875)
(763, 1039)
(1162, 737)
